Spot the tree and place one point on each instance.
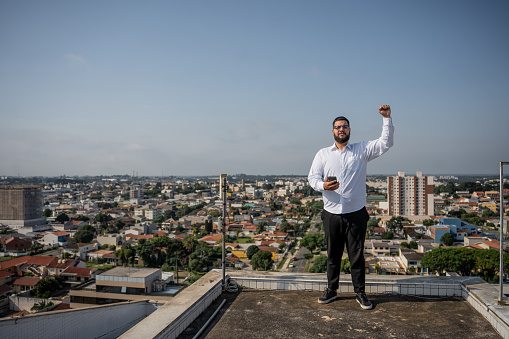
(145, 251)
(404, 244)
(262, 261)
(118, 224)
(61, 218)
(215, 214)
(372, 223)
(388, 235)
(251, 250)
(208, 226)
(319, 265)
(487, 213)
(429, 222)
(447, 239)
(101, 218)
(345, 266)
(45, 287)
(284, 226)
(459, 260)
(260, 227)
(311, 241)
(41, 305)
(47, 213)
(413, 245)
(85, 234)
(395, 223)
(126, 254)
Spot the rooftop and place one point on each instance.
(296, 314)
(283, 305)
(131, 272)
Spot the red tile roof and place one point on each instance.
(4, 289)
(81, 272)
(14, 262)
(62, 306)
(5, 274)
(59, 233)
(26, 281)
(60, 263)
(212, 237)
(40, 260)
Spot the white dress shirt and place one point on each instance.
(349, 167)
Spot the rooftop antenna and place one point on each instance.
(501, 300)
(222, 184)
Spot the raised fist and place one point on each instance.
(385, 110)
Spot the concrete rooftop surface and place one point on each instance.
(280, 305)
(296, 314)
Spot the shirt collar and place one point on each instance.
(334, 147)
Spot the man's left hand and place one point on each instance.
(385, 111)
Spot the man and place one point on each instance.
(339, 172)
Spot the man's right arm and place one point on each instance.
(315, 176)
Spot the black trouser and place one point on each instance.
(349, 229)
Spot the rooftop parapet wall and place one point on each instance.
(107, 321)
(174, 317)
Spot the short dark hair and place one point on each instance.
(339, 119)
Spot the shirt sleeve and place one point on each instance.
(315, 176)
(376, 148)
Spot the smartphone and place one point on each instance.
(332, 179)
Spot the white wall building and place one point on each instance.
(410, 195)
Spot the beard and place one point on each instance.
(342, 140)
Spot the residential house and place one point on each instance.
(68, 225)
(273, 250)
(94, 255)
(457, 227)
(25, 283)
(437, 232)
(38, 265)
(234, 262)
(249, 231)
(241, 254)
(381, 248)
(124, 283)
(79, 250)
(59, 238)
(77, 274)
(14, 265)
(211, 239)
(5, 290)
(133, 238)
(57, 266)
(411, 259)
(111, 239)
(10, 244)
(6, 277)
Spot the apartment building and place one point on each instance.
(410, 195)
(21, 206)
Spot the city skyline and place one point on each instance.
(202, 88)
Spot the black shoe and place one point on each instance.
(364, 301)
(328, 296)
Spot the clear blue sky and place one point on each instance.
(208, 87)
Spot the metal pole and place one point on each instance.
(501, 267)
(223, 228)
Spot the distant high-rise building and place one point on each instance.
(410, 195)
(222, 184)
(21, 206)
(135, 192)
